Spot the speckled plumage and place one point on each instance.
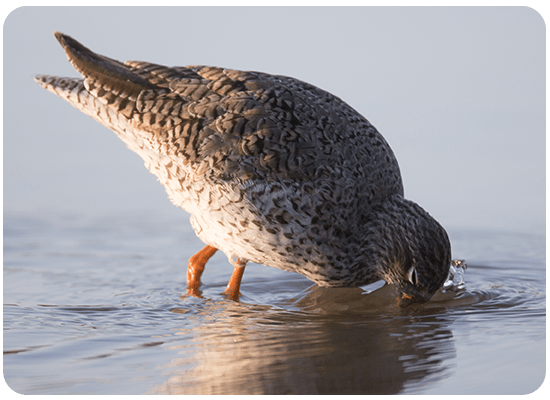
(272, 170)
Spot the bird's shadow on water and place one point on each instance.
(322, 341)
(291, 337)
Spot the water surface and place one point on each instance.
(95, 305)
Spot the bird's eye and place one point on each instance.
(411, 274)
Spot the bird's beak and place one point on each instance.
(409, 295)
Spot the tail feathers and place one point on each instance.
(60, 86)
(102, 74)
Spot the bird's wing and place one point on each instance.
(238, 125)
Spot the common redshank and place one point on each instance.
(273, 170)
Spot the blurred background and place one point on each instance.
(459, 94)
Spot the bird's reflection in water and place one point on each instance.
(327, 344)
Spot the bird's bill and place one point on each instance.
(409, 295)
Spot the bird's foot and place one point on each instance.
(194, 292)
(232, 290)
(231, 294)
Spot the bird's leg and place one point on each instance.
(195, 269)
(232, 290)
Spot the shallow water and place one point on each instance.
(92, 306)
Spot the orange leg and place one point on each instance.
(232, 290)
(195, 269)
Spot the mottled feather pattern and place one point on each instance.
(284, 121)
(272, 169)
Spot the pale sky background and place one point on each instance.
(459, 94)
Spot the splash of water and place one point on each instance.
(455, 279)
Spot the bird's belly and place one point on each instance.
(261, 244)
(275, 224)
(269, 226)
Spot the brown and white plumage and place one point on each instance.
(272, 170)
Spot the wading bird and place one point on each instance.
(273, 170)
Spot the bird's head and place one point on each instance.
(410, 249)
